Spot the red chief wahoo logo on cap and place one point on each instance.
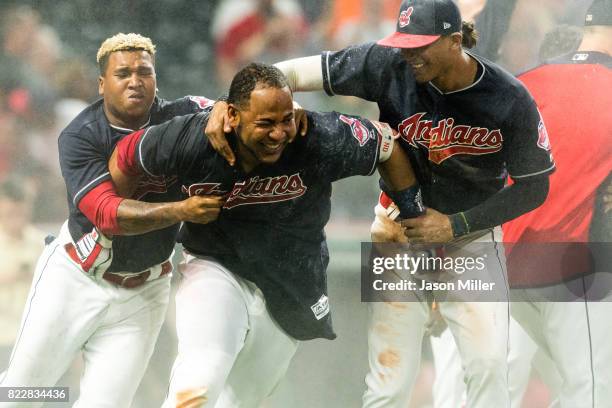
(421, 22)
(404, 18)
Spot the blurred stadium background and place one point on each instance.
(48, 74)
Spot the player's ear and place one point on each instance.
(455, 41)
(101, 85)
(234, 115)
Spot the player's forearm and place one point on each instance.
(398, 179)
(397, 172)
(303, 74)
(137, 217)
(505, 205)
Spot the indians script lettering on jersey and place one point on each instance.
(447, 139)
(254, 190)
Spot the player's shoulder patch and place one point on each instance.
(201, 101)
(543, 141)
(358, 129)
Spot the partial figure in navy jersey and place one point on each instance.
(467, 125)
(106, 298)
(254, 281)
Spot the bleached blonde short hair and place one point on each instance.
(123, 42)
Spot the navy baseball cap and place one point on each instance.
(422, 22)
(599, 13)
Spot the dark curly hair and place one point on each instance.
(249, 77)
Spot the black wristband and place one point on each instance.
(459, 224)
(409, 201)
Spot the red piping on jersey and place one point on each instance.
(100, 206)
(126, 154)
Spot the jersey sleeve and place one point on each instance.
(357, 70)
(174, 148)
(344, 145)
(528, 153)
(84, 163)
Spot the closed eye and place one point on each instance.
(145, 71)
(122, 73)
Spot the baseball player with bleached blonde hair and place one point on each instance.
(102, 286)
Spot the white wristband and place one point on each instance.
(386, 141)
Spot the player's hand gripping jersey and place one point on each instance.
(85, 147)
(463, 143)
(270, 230)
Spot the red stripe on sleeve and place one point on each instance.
(384, 200)
(126, 154)
(100, 206)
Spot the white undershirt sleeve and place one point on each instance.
(303, 74)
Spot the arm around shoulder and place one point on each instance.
(303, 74)
(137, 217)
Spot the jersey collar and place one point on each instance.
(126, 130)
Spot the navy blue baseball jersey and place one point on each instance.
(464, 143)
(85, 147)
(270, 230)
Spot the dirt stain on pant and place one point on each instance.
(389, 358)
(398, 305)
(192, 398)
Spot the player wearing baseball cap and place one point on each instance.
(420, 23)
(255, 280)
(104, 297)
(467, 124)
(554, 255)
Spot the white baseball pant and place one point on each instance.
(68, 312)
(523, 354)
(396, 331)
(231, 353)
(448, 390)
(576, 336)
